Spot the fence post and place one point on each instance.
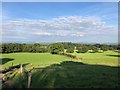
(21, 69)
(29, 79)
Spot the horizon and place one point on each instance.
(78, 22)
(44, 43)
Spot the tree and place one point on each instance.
(56, 48)
(95, 49)
(70, 50)
(104, 47)
(83, 49)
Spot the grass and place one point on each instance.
(109, 58)
(96, 70)
(41, 59)
(44, 59)
(69, 74)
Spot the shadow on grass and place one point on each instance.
(113, 55)
(69, 74)
(5, 60)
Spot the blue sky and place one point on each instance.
(55, 22)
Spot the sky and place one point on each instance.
(81, 22)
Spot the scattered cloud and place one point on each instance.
(70, 26)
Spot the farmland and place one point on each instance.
(59, 45)
(109, 58)
(95, 70)
(42, 59)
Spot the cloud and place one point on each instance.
(70, 26)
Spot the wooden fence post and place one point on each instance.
(21, 69)
(29, 79)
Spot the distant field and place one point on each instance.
(41, 59)
(107, 58)
(44, 59)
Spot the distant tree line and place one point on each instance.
(57, 48)
(15, 47)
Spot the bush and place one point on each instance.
(56, 48)
(70, 50)
(95, 49)
(82, 49)
(68, 55)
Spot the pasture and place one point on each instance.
(35, 59)
(109, 58)
(95, 70)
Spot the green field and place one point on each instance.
(41, 59)
(44, 59)
(95, 70)
(109, 58)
